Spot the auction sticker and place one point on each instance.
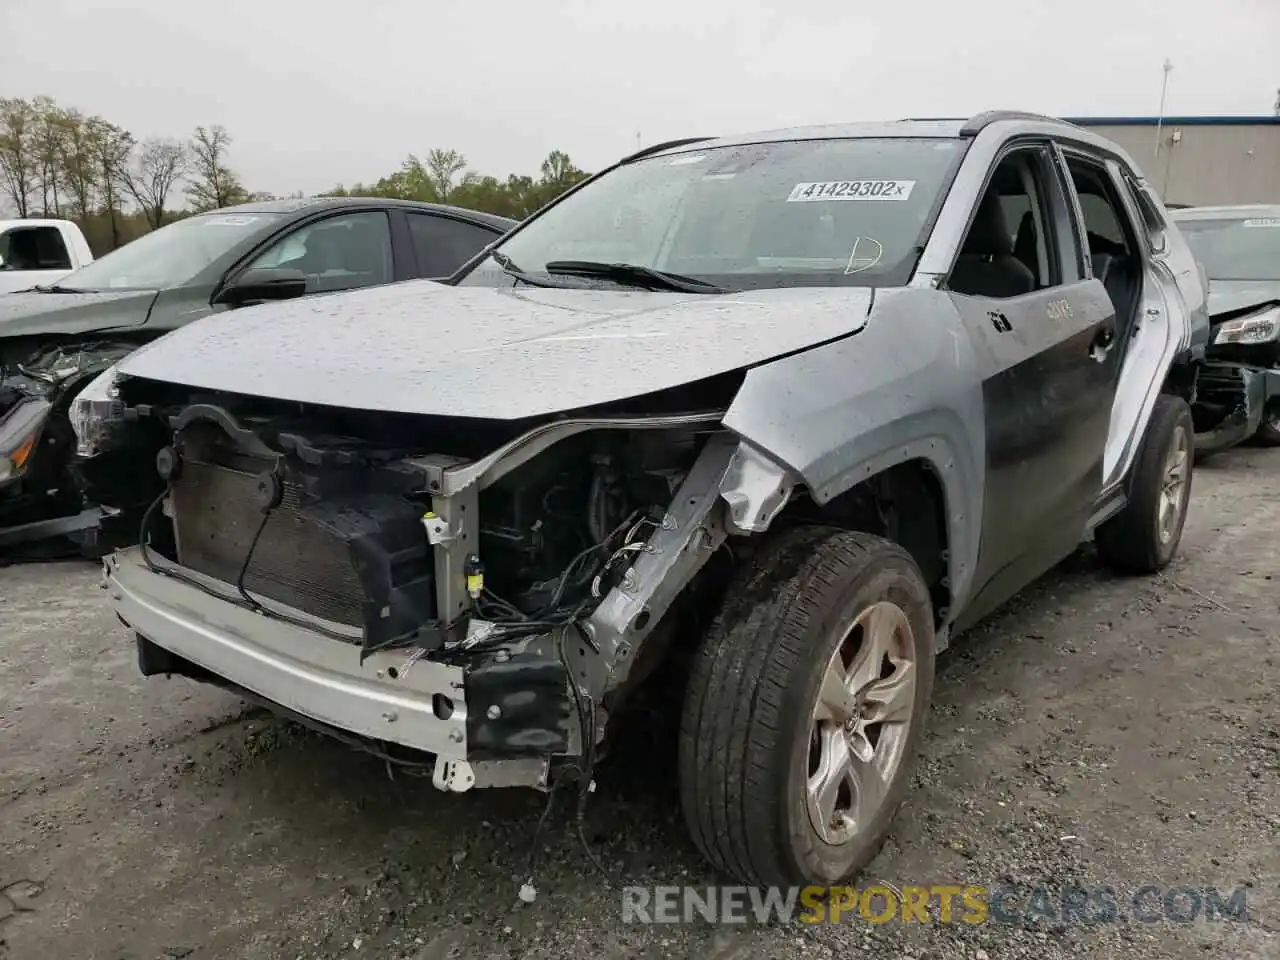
(234, 221)
(851, 190)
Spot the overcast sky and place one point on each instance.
(321, 92)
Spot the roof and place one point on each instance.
(298, 204)
(833, 131)
(923, 127)
(1236, 121)
(34, 222)
(1238, 211)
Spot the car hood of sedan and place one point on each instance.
(1232, 296)
(32, 313)
(507, 354)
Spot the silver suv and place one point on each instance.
(836, 392)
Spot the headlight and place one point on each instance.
(1258, 328)
(19, 433)
(95, 411)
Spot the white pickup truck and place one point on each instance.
(39, 252)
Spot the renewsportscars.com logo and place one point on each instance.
(934, 903)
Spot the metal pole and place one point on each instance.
(1164, 90)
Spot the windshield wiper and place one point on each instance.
(634, 274)
(511, 270)
(58, 288)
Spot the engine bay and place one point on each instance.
(335, 514)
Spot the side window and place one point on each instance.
(337, 253)
(441, 245)
(1014, 243)
(34, 248)
(1110, 233)
(1108, 229)
(1100, 219)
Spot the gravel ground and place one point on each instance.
(1106, 731)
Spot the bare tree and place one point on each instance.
(159, 165)
(213, 184)
(111, 149)
(17, 152)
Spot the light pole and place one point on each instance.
(1164, 90)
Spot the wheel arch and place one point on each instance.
(901, 398)
(904, 496)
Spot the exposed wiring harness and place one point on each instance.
(585, 570)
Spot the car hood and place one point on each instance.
(27, 314)
(1232, 296)
(423, 348)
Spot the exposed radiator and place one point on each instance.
(295, 562)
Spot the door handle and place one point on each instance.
(1102, 343)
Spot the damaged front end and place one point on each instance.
(477, 590)
(39, 497)
(1239, 387)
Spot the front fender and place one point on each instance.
(906, 387)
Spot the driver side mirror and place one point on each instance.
(264, 283)
(1159, 242)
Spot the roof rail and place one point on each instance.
(659, 147)
(973, 126)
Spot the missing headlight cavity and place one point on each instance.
(368, 527)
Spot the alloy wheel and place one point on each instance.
(861, 722)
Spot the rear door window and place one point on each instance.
(442, 244)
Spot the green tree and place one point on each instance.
(78, 162)
(18, 167)
(443, 166)
(49, 130)
(112, 148)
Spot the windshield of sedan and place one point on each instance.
(1236, 249)
(806, 212)
(171, 256)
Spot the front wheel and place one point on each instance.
(1144, 536)
(805, 708)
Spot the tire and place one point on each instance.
(1134, 540)
(1268, 434)
(746, 735)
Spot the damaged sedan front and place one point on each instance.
(37, 441)
(55, 339)
(1238, 395)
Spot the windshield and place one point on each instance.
(170, 256)
(1236, 249)
(820, 212)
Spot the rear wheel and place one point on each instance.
(805, 707)
(1268, 434)
(1144, 537)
